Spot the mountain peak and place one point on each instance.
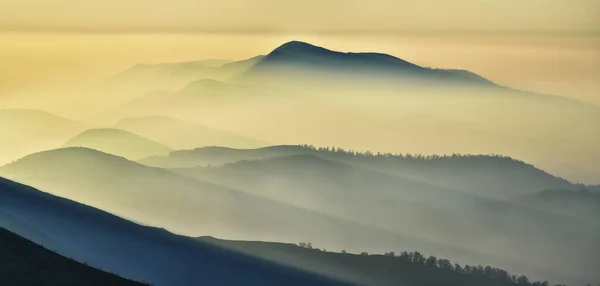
(297, 61)
(299, 47)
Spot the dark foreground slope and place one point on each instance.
(131, 250)
(23, 262)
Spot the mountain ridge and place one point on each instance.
(118, 142)
(299, 56)
(416, 167)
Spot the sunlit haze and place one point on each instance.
(332, 142)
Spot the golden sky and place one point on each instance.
(300, 15)
(550, 46)
(563, 65)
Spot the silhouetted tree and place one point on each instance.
(523, 281)
(458, 268)
(431, 261)
(445, 264)
(305, 245)
(417, 258)
(405, 256)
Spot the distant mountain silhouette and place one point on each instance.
(23, 262)
(297, 59)
(173, 75)
(28, 131)
(361, 100)
(200, 99)
(205, 91)
(133, 251)
(118, 142)
(111, 93)
(181, 134)
(486, 175)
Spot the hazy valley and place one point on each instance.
(192, 173)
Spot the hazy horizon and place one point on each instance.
(564, 64)
(464, 129)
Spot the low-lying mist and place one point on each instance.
(518, 201)
(338, 201)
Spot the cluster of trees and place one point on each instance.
(479, 271)
(305, 245)
(407, 156)
(415, 258)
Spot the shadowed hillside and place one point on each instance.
(118, 142)
(161, 258)
(195, 207)
(22, 262)
(137, 252)
(409, 207)
(180, 134)
(382, 270)
(493, 176)
(158, 197)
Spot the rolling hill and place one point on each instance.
(192, 207)
(493, 176)
(195, 207)
(29, 131)
(23, 262)
(162, 258)
(372, 101)
(133, 251)
(406, 206)
(118, 142)
(181, 134)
